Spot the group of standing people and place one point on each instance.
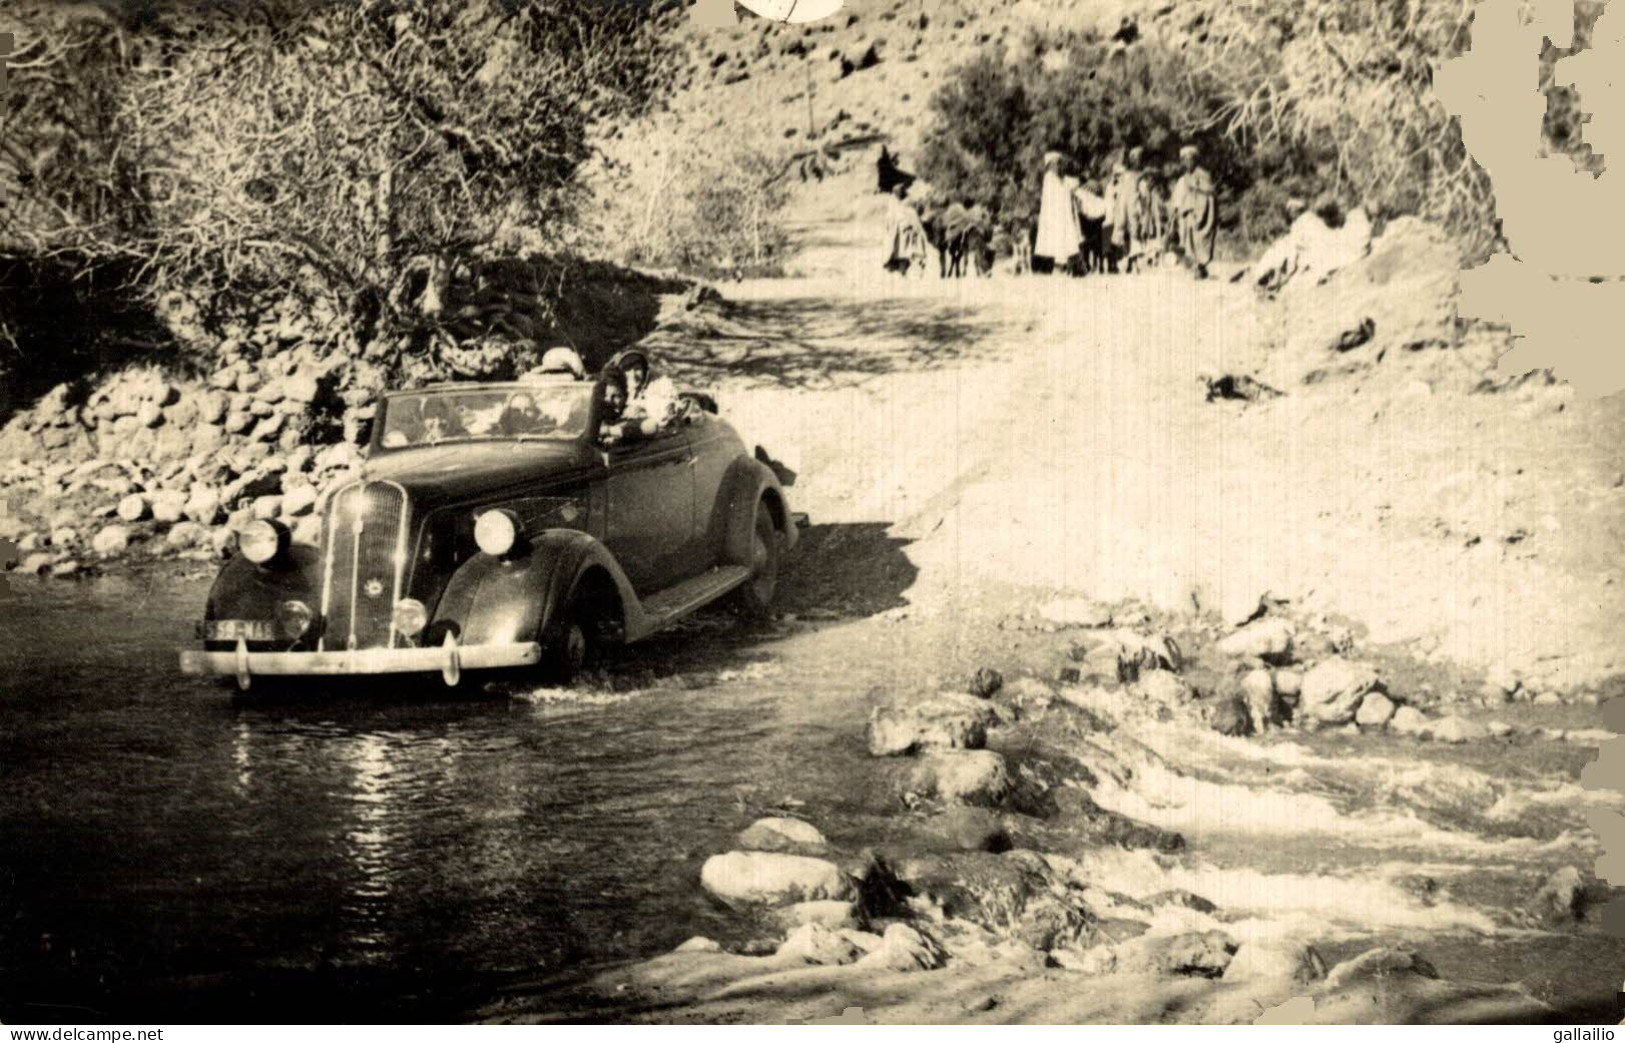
(1129, 223)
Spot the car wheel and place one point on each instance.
(754, 599)
(573, 650)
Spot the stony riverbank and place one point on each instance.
(1031, 869)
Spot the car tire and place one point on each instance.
(754, 598)
(574, 647)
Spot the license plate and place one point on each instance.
(233, 629)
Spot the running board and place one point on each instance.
(675, 602)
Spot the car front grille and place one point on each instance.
(362, 574)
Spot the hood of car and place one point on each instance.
(435, 475)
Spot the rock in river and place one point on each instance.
(962, 777)
(1276, 961)
(814, 943)
(943, 722)
(1375, 710)
(1333, 690)
(771, 878)
(902, 948)
(782, 834)
(1267, 638)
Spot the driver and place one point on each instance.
(524, 417)
(438, 421)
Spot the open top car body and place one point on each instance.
(495, 525)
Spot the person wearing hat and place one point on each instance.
(560, 362)
(1195, 211)
(1059, 235)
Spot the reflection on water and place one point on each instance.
(397, 851)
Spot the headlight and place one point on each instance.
(262, 541)
(293, 618)
(496, 532)
(410, 617)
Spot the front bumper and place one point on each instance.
(448, 660)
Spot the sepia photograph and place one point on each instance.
(571, 513)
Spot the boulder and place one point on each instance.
(1379, 963)
(836, 915)
(1288, 685)
(211, 407)
(1457, 730)
(1408, 720)
(111, 540)
(299, 500)
(1258, 693)
(183, 535)
(938, 723)
(1201, 954)
(222, 540)
(1275, 961)
(132, 508)
(64, 537)
(698, 943)
(986, 682)
(1161, 688)
(168, 506)
(237, 423)
(268, 428)
(266, 508)
(35, 564)
(151, 414)
(816, 944)
(1375, 710)
(301, 388)
(1562, 896)
(971, 829)
(203, 505)
(772, 878)
(1230, 717)
(902, 948)
(962, 776)
(782, 834)
(1028, 693)
(1267, 638)
(1334, 688)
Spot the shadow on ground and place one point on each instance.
(820, 343)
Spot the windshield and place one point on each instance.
(431, 417)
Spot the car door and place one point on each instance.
(715, 448)
(650, 523)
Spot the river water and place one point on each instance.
(389, 852)
(170, 852)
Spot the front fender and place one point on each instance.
(244, 590)
(513, 599)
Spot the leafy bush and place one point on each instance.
(379, 153)
(705, 202)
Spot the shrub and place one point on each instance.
(379, 153)
(708, 203)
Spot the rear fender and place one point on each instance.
(517, 598)
(748, 482)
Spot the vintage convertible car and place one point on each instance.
(504, 525)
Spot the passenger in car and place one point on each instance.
(522, 417)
